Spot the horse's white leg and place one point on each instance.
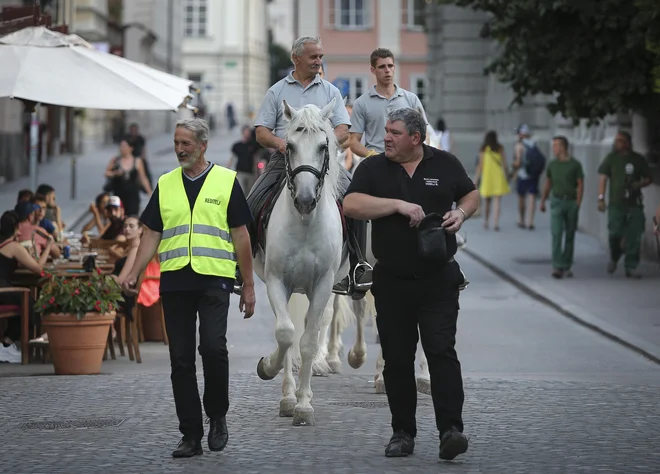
(309, 345)
(339, 317)
(268, 367)
(424, 377)
(288, 401)
(379, 379)
(358, 353)
(320, 366)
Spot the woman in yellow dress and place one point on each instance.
(492, 171)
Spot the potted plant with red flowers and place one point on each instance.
(77, 312)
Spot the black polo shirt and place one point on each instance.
(438, 182)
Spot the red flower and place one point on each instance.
(98, 270)
(43, 274)
(52, 300)
(76, 292)
(89, 284)
(110, 306)
(44, 306)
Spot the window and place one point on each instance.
(419, 86)
(357, 85)
(349, 14)
(195, 17)
(196, 77)
(414, 12)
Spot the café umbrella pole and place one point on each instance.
(34, 146)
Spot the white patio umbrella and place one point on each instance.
(43, 66)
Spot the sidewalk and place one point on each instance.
(90, 168)
(622, 309)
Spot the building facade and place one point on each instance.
(225, 52)
(352, 29)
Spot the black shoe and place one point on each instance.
(187, 448)
(452, 443)
(343, 287)
(401, 445)
(218, 434)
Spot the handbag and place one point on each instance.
(432, 238)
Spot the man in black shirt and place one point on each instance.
(197, 256)
(244, 154)
(396, 190)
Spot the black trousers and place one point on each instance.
(181, 309)
(271, 179)
(432, 304)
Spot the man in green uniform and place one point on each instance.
(565, 179)
(628, 173)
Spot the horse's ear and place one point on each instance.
(288, 110)
(326, 112)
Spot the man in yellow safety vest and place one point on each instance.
(196, 219)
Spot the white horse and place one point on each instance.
(360, 312)
(304, 252)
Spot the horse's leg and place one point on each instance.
(320, 366)
(358, 353)
(288, 401)
(268, 367)
(379, 380)
(340, 308)
(424, 377)
(309, 345)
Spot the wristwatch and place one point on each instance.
(601, 197)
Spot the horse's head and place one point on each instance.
(310, 144)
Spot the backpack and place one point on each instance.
(534, 161)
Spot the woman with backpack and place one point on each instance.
(491, 175)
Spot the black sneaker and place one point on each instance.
(452, 443)
(401, 445)
(187, 448)
(218, 434)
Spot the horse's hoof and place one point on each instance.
(287, 405)
(355, 361)
(261, 372)
(335, 366)
(423, 385)
(379, 385)
(303, 417)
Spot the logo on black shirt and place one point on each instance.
(212, 201)
(431, 181)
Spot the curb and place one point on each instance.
(646, 349)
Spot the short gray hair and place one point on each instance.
(196, 125)
(298, 47)
(411, 118)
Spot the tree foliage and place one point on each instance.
(592, 57)
(280, 62)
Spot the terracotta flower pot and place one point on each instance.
(77, 346)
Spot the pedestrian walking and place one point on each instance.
(196, 220)
(491, 174)
(416, 282)
(565, 179)
(628, 172)
(244, 155)
(528, 166)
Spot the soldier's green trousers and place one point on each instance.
(626, 227)
(563, 225)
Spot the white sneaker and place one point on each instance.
(10, 354)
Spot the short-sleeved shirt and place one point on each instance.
(186, 279)
(438, 182)
(370, 114)
(244, 153)
(25, 230)
(319, 92)
(622, 170)
(565, 176)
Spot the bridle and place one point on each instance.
(320, 174)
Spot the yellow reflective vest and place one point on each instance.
(208, 248)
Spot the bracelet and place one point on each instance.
(464, 215)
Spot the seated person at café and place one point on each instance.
(53, 211)
(28, 215)
(24, 195)
(115, 212)
(41, 219)
(132, 232)
(99, 219)
(12, 254)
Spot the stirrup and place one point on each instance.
(368, 270)
(343, 292)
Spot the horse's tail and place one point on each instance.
(371, 312)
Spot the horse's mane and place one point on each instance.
(308, 119)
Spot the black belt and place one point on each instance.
(565, 197)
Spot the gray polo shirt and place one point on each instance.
(319, 92)
(370, 114)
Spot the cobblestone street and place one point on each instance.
(543, 395)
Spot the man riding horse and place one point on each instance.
(301, 87)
